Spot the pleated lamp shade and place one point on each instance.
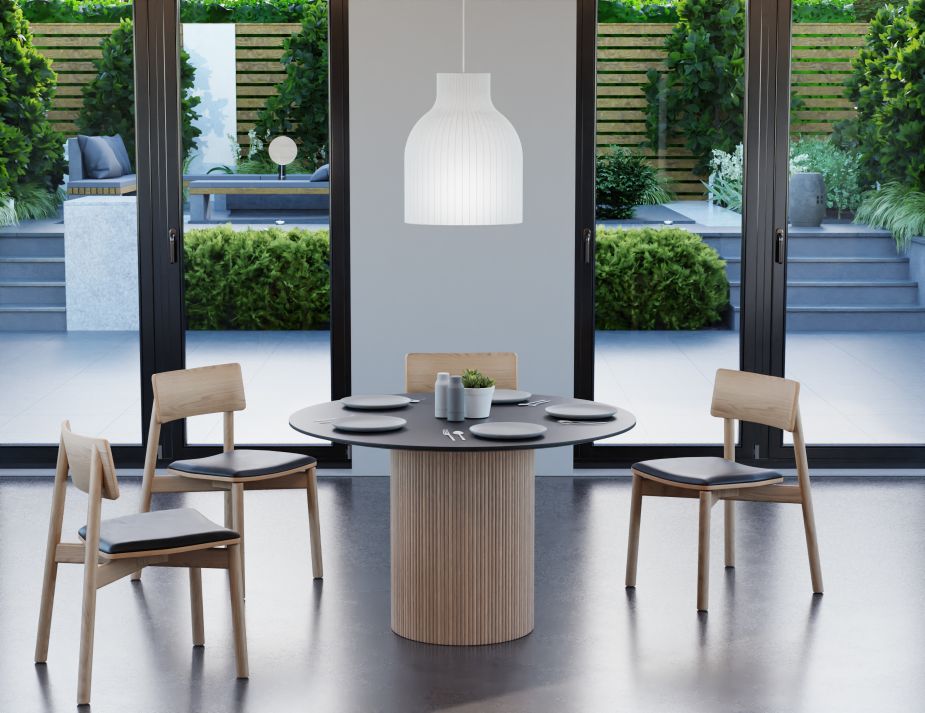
(463, 159)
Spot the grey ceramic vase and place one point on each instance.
(807, 200)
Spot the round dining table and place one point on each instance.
(462, 514)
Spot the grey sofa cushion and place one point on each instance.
(322, 174)
(118, 148)
(99, 157)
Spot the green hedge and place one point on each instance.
(257, 279)
(291, 10)
(647, 278)
(633, 11)
(657, 278)
(190, 10)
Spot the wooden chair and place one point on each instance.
(115, 548)
(421, 368)
(744, 396)
(220, 389)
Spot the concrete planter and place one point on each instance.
(807, 200)
(916, 254)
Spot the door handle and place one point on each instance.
(586, 234)
(172, 245)
(779, 245)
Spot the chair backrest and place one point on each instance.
(421, 368)
(81, 461)
(757, 398)
(193, 392)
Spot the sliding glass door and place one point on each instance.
(668, 215)
(69, 250)
(766, 128)
(854, 300)
(252, 241)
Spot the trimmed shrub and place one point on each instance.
(31, 151)
(109, 99)
(257, 279)
(300, 106)
(625, 180)
(888, 87)
(839, 168)
(657, 278)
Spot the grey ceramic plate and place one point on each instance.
(581, 412)
(375, 402)
(507, 430)
(368, 424)
(510, 396)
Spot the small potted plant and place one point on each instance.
(479, 391)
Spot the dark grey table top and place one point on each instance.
(424, 432)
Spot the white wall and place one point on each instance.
(212, 53)
(416, 288)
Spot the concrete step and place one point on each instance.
(835, 294)
(852, 244)
(32, 293)
(852, 318)
(32, 318)
(32, 269)
(32, 245)
(835, 268)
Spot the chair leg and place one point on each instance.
(729, 522)
(229, 520)
(314, 524)
(195, 597)
(703, 551)
(812, 546)
(632, 547)
(236, 581)
(237, 523)
(87, 626)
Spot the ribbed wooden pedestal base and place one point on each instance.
(462, 545)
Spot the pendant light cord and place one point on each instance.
(464, 36)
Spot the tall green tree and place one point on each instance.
(699, 98)
(300, 107)
(888, 87)
(31, 151)
(109, 98)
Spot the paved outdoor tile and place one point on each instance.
(858, 388)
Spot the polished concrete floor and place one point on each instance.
(851, 394)
(766, 646)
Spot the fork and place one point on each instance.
(462, 436)
(534, 403)
(446, 432)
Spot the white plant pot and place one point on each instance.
(478, 402)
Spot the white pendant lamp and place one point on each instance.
(463, 158)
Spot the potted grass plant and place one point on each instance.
(479, 391)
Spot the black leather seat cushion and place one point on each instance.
(242, 463)
(158, 530)
(705, 471)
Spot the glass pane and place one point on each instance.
(69, 344)
(669, 178)
(256, 235)
(855, 273)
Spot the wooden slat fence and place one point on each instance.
(821, 63)
(822, 56)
